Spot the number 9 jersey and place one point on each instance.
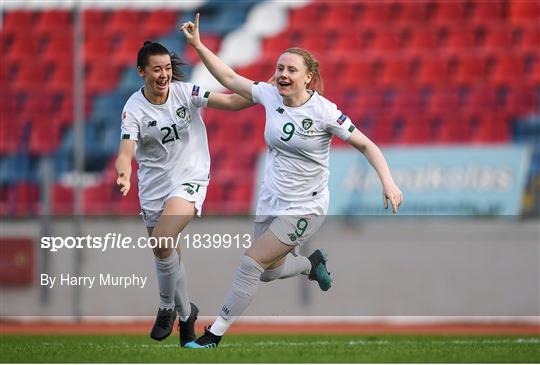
(298, 140)
(172, 145)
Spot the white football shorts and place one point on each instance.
(151, 209)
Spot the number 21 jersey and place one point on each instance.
(172, 145)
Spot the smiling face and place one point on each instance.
(292, 75)
(157, 75)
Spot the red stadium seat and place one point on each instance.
(470, 71)
(414, 12)
(94, 20)
(361, 73)
(23, 48)
(59, 50)
(509, 69)
(43, 126)
(398, 72)
(373, 14)
(124, 22)
(160, 22)
(425, 40)
(97, 48)
(51, 21)
(487, 11)
(451, 12)
(434, 70)
(61, 79)
(126, 53)
(524, 11)
(442, 101)
(304, 18)
(62, 199)
(486, 128)
(26, 199)
(31, 76)
(18, 22)
(461, 38)
(337, 17)
(98, 199)
(498, 39)
(101, 78)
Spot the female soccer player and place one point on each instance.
(294, 196)
(163, 120)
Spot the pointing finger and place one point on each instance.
(197, 20)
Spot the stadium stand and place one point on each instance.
(406, 72)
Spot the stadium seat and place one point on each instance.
(22, 46)
(373, 14)
(62, 199)
(487, 11)
(522, 12)
(303, 19)
(160, 22)
(53, 21)
(97, 48)
(125, 53)
(101, 77)
(18, 22)
(451, 13)
(508, 69)
(470, 71)
(94, 20)
(498, 39)
(123, 22)
(44, 136)
(59, 50)
(31, 76)
(98, 199)
(414, 12)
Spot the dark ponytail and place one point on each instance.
(150, 48)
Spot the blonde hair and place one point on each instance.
(312, 65)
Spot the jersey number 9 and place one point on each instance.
(288, 129)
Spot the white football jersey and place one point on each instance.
(298, 140)
(172, 145)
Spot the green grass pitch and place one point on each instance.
(273, 348)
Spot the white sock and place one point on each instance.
(167, 275)
(221, 325)
(241, 293)
(181, 297)
(293, 266)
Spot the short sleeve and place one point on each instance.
(130, 126)
(199, 96)
(261, 92)
(338, 123)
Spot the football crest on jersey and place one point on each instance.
(307, 123)
(183, 114)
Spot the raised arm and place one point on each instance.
(223, 73)
(375, 157)
(123, 165)
(228, 101)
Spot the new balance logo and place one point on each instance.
(280, 110)
(152, 123)
(225, 310)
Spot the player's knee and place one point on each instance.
(162, 252)
(259, 260)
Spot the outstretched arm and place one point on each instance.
(228, 101)
(223, 73)
(375, 157)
